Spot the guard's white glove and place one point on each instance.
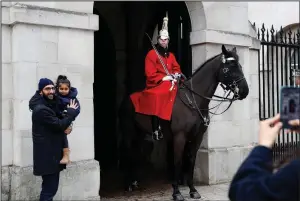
(168, 77)
(177, 75)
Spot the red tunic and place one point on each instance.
(157, 99)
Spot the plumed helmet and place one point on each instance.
(163, 33)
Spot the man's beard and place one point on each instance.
(166, 46)
(48, 97)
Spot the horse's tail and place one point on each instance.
(127, 127)
(126, 107)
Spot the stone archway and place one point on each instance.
(197, 15)
(120, 34)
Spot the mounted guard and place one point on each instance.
(162, 72)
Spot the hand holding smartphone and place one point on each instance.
(289, 106)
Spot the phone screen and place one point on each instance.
(290, 105)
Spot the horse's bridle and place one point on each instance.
(231, 87)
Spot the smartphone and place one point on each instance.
(290, 105)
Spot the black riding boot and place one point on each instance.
(157, 133)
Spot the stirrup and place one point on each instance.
(157, 135)
(160, 133)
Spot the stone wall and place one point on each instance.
(42, 42)
(6, 105)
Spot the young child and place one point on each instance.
(65, 92)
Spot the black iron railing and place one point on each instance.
(279, 57)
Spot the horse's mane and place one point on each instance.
(205, 63)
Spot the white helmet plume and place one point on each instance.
(163, 33)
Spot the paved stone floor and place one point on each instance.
(163, 193)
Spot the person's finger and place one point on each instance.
(277, 127)
(295, 122)
(273, 120)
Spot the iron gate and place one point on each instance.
(279, 57)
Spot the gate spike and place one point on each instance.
(272, 33)
(298, 36)
(267, 35)
(281, 34)
(263, 32)
(290, 36)
(285, 38)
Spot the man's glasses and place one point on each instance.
(49, 88)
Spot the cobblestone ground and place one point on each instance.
(164, 193)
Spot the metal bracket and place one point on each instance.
(206, 121)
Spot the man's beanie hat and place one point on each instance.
(44, 82)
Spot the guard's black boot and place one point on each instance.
(157, 133)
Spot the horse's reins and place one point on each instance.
(231, 86)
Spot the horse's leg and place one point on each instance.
(178, 147)
(192, 149)
(127, 160)
(127, 163)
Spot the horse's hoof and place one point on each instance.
(180, 182)
(128, 188)
(178, 197)
(135, 185)
(195, 195)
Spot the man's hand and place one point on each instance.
(177, 75)
(269, 130)
(68, 130)
(73, 104)
(168, 77)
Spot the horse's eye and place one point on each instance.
(225, 70)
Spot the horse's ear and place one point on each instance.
(234, 50)
(224, 51)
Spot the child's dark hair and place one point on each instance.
(62, 79)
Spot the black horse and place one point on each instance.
(190, 118)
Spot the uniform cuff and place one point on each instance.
(263, 152)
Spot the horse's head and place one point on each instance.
(231, 74)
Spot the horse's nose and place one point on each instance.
(243, 92)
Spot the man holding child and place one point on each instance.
(49, 129)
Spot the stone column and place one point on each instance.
(46, 42)
(6, 101)
(230, 136)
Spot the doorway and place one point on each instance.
(179, 27)
(104, 95)
(120, 49)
